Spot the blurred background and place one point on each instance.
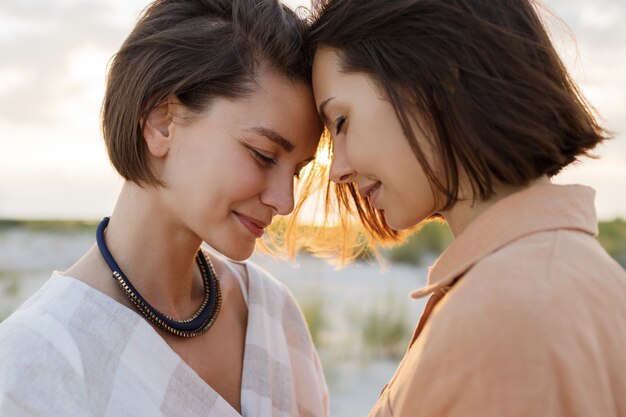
(56, 181)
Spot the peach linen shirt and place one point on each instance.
(527, 317)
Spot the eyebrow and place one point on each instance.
(322, 110)
(274, 137)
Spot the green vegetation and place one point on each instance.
(431, 239)
(10, 282)
(314, 313)
(382, 330)
(613, 238)
(385, 329)
(66, 226)
(9, 288)
(434, 238)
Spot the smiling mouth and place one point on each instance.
(369, 192)
(254, 226)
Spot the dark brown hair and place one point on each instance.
(484, 79)
(196, 50)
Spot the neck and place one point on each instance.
(155, 251)
(466, 211)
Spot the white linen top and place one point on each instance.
(71, 350)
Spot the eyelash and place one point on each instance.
(339, 124)
(264, 160)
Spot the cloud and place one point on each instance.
(39, 48)
(592, 43)
(54, 56)
(40, 39)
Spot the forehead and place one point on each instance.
(332, 84)
(285, 106)
(326, 70)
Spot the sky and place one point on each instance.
(53, 162)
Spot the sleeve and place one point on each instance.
(36, 379)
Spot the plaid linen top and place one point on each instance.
(71, 350)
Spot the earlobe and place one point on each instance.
(156, 129)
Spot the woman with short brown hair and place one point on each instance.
(209, 116)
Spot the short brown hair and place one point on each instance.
(484, 79)
(196, 50)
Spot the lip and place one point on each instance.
(370, 191)
(254, 226)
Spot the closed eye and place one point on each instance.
(262, 159)
(339, 124)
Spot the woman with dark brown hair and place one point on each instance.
(462, 110)
(208, 115)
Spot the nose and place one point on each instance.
(341, 171)
(279, 195)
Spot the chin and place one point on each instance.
(239, 257)
(238, 253)
(402, 224)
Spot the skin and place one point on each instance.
(225, 171)
(370, 149)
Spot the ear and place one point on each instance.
(156, 129)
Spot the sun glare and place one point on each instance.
(322, 158)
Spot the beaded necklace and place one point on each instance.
(199, 323)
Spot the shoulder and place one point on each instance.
(509, 279)
(279, 302)
(521, 324)
(540, 266)
(42, 325)
(550, 253)
(274, 298)
(36, 346)
(538, 279)
(496, 339)
(496, 312)
(263, 279)
(513, 310)
(264, 275)
(268, 283)
(34, 336)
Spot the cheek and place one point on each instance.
(413, 206)
(360, 151)
(376, 142)
(411, 198)
(220, 181)
(244, 179)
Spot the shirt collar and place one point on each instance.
(538, 208)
